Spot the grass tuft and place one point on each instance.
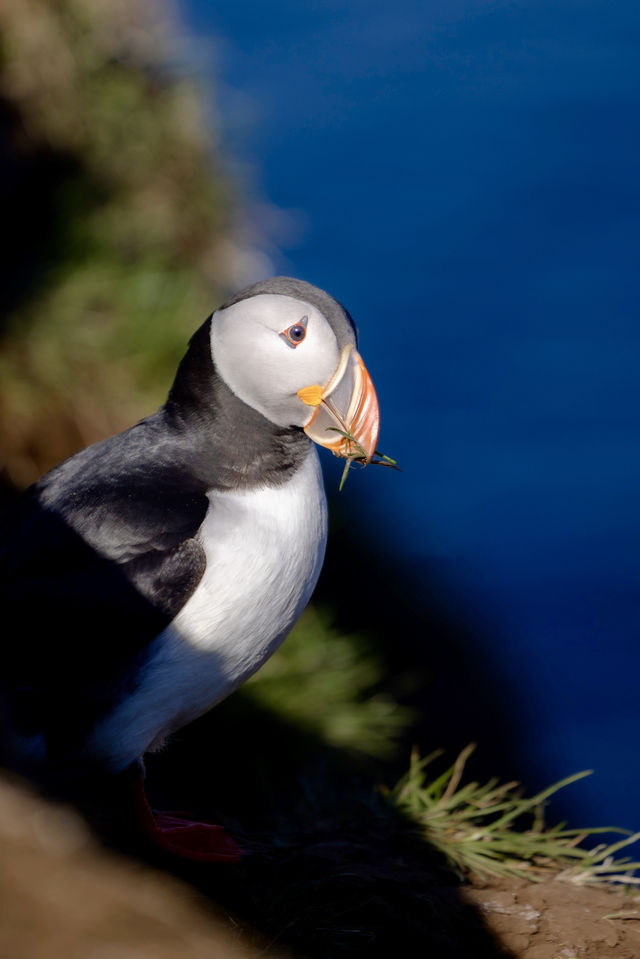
(353, 452)
(493, 830)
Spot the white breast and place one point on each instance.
(264, 552)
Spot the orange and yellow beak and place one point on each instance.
(346, 405)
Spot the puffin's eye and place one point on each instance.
(296, 333)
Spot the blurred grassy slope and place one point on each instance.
(118, 220)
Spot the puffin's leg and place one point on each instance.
(176, 833)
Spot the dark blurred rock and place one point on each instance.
(64, 897)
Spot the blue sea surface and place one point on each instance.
(463, 175)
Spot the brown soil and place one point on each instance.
(556, 919)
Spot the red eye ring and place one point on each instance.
(296, 333)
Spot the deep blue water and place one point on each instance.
(463, 175)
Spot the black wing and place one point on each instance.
(97, 559)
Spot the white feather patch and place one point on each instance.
(258, 365)
(264, 552)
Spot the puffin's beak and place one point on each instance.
(347, 404)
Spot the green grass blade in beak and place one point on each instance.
(348, 404)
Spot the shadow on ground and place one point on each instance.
(333, 869)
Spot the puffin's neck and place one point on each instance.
(231, 445)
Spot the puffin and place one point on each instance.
(145, 578)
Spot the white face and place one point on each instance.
(261, 367)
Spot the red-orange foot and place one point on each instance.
(201, 841)
(177, 834)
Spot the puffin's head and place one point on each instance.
(289, 350)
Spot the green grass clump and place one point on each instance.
(325, 683)
(493, 830)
